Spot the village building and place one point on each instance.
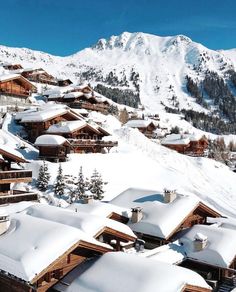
(122, 272)
(190, 144)
(82, 136)
(105, 230)
(64, 82)
(16, 85)
(146, 127)
(99, 208)
(10, 175)
(46, 251)
(37, 121)
(158, 217)
(211, 250)
(53, 148)
(39, 75)
(12, 67)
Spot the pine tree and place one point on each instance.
(59, 187)
(43, 177)
(96, 185)
(81, 184)
(70, 188)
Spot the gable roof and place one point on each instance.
(122, 272)
(70, 126)
(220, 249)
(12, 155)
(91, 224)
(181, 139)
(50, 140)
(7, 77)
(39, 243)
(139, 123)
(160, 219)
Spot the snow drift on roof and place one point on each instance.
(121, 272)
(66, 126)
(138, 123)
(220, 249)
(50, 140)
(159, 219)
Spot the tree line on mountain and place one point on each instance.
(70, 187)
(214, 92)
(121, 96)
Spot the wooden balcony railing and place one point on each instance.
(15, 174)
(12, 92)
(15, 196)
(92, 143)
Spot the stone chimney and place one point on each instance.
(169, 196)
(200, 242)
(137, 214)
(4, 222)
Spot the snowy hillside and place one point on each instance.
(153, 68)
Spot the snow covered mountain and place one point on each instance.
(146, 66)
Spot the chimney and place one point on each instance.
(88, 198)
(200, 242)
(169, 196)
(4, 223)
(137, 214)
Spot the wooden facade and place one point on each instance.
(194, 148)
(197, 216)
(12, 67)
(73, 257)
(39, 76)
(17, 86)
(54, 153)
(37, 128)
(65, 82)
(9, 175)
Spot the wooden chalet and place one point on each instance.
(194, 145)
(12, 67)
(146, 127)
(64, 82)
(210, 251)
(39, 76)
(9, 175)
(53, 148)
(37, 122)
(150, 222)
(84, 138)
(16, 86)
(51, 262)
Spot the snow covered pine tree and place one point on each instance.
(43, 177)
(96, 185)
(59, 186)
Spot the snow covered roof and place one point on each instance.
(160, 219)
(99, 208)
(122, 272)
(73, 94)
(6, 77)
(138, 123)
(91, 224)
(180, 139)
(43, 115)
(50, 140)
(220, 249)
(66, 126)
(11, 153)
(39, 243)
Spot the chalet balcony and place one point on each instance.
(92, 143)
(90, 106)
(15, 196)
(42, 80)
(15, 93)
(15, 175)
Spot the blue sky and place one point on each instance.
(63, 27)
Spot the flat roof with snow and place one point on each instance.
(50, 140)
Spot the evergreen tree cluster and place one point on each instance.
(71, 187)
(125, 96)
